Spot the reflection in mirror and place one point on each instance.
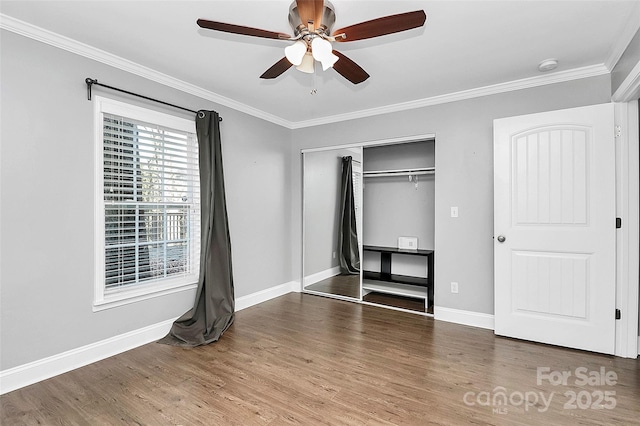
(332, 222)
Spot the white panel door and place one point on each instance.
(554, 227)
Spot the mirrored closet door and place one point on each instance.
(332, 222)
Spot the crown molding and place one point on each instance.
(627, 33)
(48, 37)
(53, 39)
(630, 87)
(525, 83)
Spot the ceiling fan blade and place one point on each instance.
(311, 10)
(382, 26)
(239, 29)
(276, 69)
(349, 69)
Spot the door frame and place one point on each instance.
(362, 145)
(627, 237)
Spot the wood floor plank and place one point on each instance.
(302, 359)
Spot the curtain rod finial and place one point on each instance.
(90, 82)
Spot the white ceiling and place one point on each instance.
(464, 45)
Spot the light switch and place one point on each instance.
(454, 212)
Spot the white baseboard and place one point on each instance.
(296, 286)
(264, 295)
(474, 319)
(33, 372)
(638, 345)
(322, 275)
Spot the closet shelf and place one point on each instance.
(396, 288)
(400, 172)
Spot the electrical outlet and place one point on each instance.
(454, 287)
(454, 212)
(334, 254)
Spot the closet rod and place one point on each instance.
(402, 172)
(91, 81)
(383, 174)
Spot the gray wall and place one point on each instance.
(464, 176)
(392, 206)
(47, 197)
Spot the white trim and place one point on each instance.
(33, 372)
(622, 41)
(70, 45)
(510, 86)
(322, 275)
(296, 286)
(627, 238)
(98, 202)
(264, 295)
(111, 106)
(48, 37)
(389, 141)
(474, 319)
(348, 146)
(139, 294)
(630, 88)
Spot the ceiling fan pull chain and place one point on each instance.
(313, 88)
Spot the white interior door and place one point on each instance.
(554, 227)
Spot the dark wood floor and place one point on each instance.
(302, 359)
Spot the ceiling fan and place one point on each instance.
(312, 21)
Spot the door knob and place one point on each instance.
(501, 238)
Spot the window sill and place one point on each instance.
(118, 298)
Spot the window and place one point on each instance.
(148, 204)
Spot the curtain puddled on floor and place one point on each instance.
(214, 306)
(348, 235)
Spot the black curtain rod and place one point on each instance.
(91, 81)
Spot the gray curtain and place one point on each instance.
(348, 234)
(214, 306)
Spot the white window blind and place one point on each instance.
(151, 197)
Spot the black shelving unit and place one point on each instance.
(403, 285)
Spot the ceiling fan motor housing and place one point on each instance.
(299, 27)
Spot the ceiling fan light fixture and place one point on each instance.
(307, 64)
(295, 53)
(323, 52)
(328, 63)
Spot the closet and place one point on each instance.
(398, 225)
(390, 220)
